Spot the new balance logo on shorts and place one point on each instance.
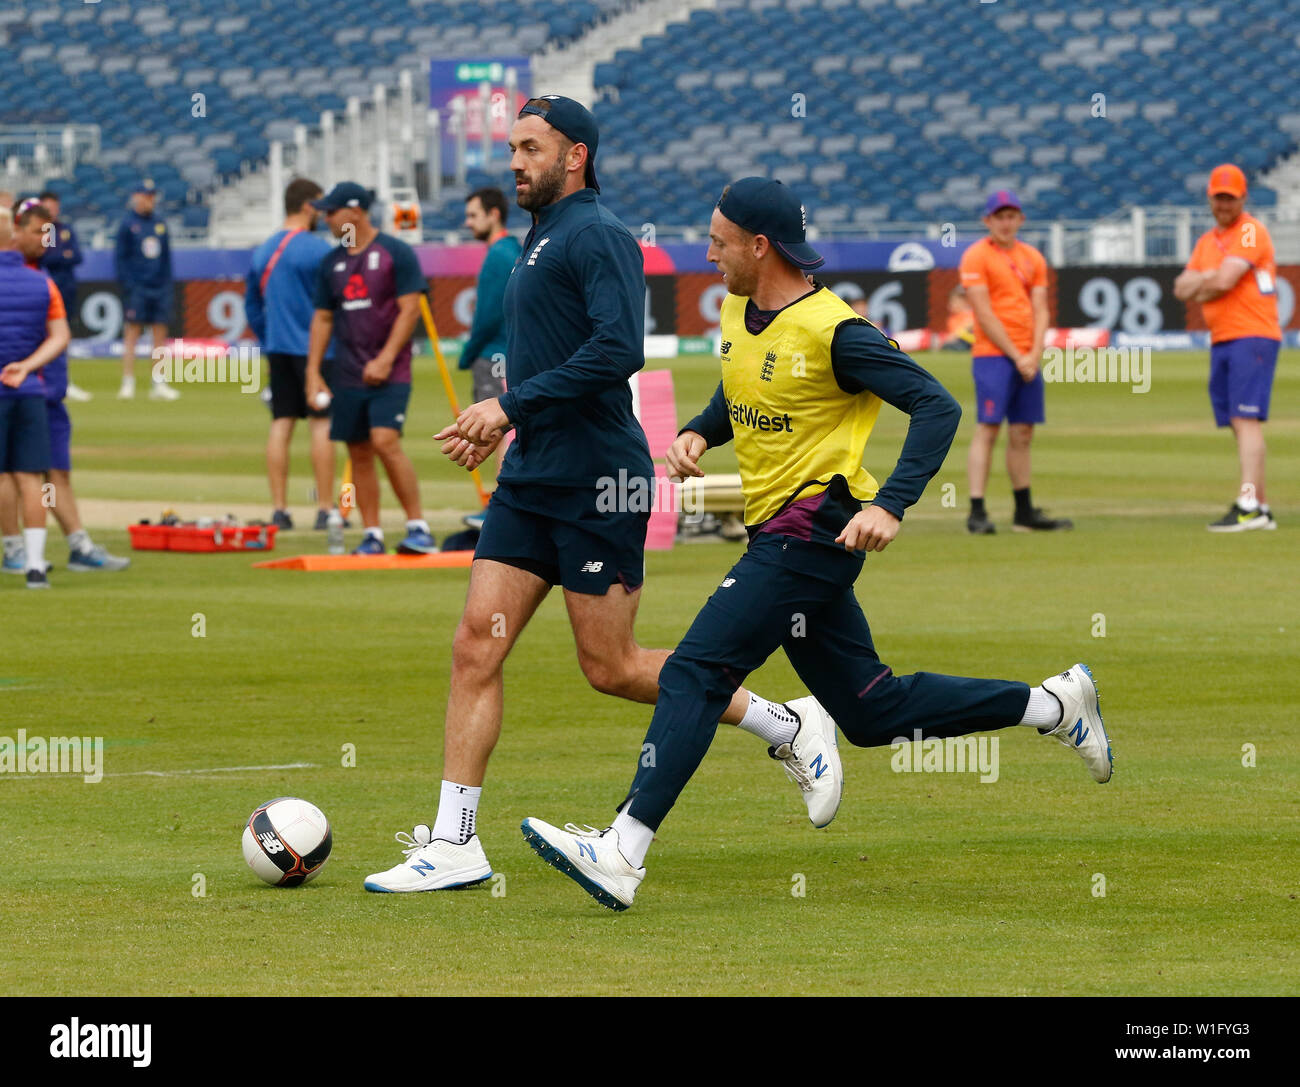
(728, 582)
(592, 567)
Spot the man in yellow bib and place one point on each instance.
(803, 378)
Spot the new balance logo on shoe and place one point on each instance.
(1078, 733)
(584, 849)
(819, 766)
(592, 567)
(424, 868)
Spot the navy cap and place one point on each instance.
(1003, 198)
(346, 194)
(147, 186)
(764, 206)
(574, 120)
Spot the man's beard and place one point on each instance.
(546, 189)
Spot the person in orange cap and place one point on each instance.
(1233, 275)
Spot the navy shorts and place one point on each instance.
(60, 428)
(356, 410)
(558, 534)
(1241, 378)
(24, 434)
(1002, 394)
(149, 305)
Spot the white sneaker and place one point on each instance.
(433, 864)
(77, 393)
(812, 760)
(1081, 727)
(589, 857)
(127, 391)
(160, 390)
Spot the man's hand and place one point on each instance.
(482, 423)
(315, 386)
(464, 453)
(377, 370)
(1027, 365)
(870, 530)
(684, 454)
(14, 374)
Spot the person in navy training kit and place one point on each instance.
(60, 263)
(368, 297)
(803, 382)
(279, 295)
(32, 230)
(142, 259)
(33, 332)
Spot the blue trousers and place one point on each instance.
(790, 594)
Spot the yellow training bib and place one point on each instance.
(795, 429)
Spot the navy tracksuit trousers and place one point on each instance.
(798, 596)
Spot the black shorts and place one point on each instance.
(558, 534)
(289, 387)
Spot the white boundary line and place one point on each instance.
(213, 770)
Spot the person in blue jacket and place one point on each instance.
(278, 304)
(62, 255)
(142, 260)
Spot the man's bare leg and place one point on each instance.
(322, 461)
(1019, 437)
(387, 444)
(501, 600)
(611, 659)
(1251, 453)
(365, 482)
(277, 460)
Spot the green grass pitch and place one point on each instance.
(924, 884)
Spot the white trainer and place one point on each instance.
(127, 391)
(812, 760)
(589, 857)
(433, 864)
(160, 390)
(1081, 726)
(77, 393)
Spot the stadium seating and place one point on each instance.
(910, 112)
(133, 69)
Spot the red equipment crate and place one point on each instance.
(212, 538)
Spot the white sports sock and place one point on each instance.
(376, 532)
(1246, 500)
(634, 838)
(13, 544)
(79, 541)
(457, 810)
(1044, 709)
(771, 721)
(34, 540)
(417, 526)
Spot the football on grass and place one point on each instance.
(287, 841)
